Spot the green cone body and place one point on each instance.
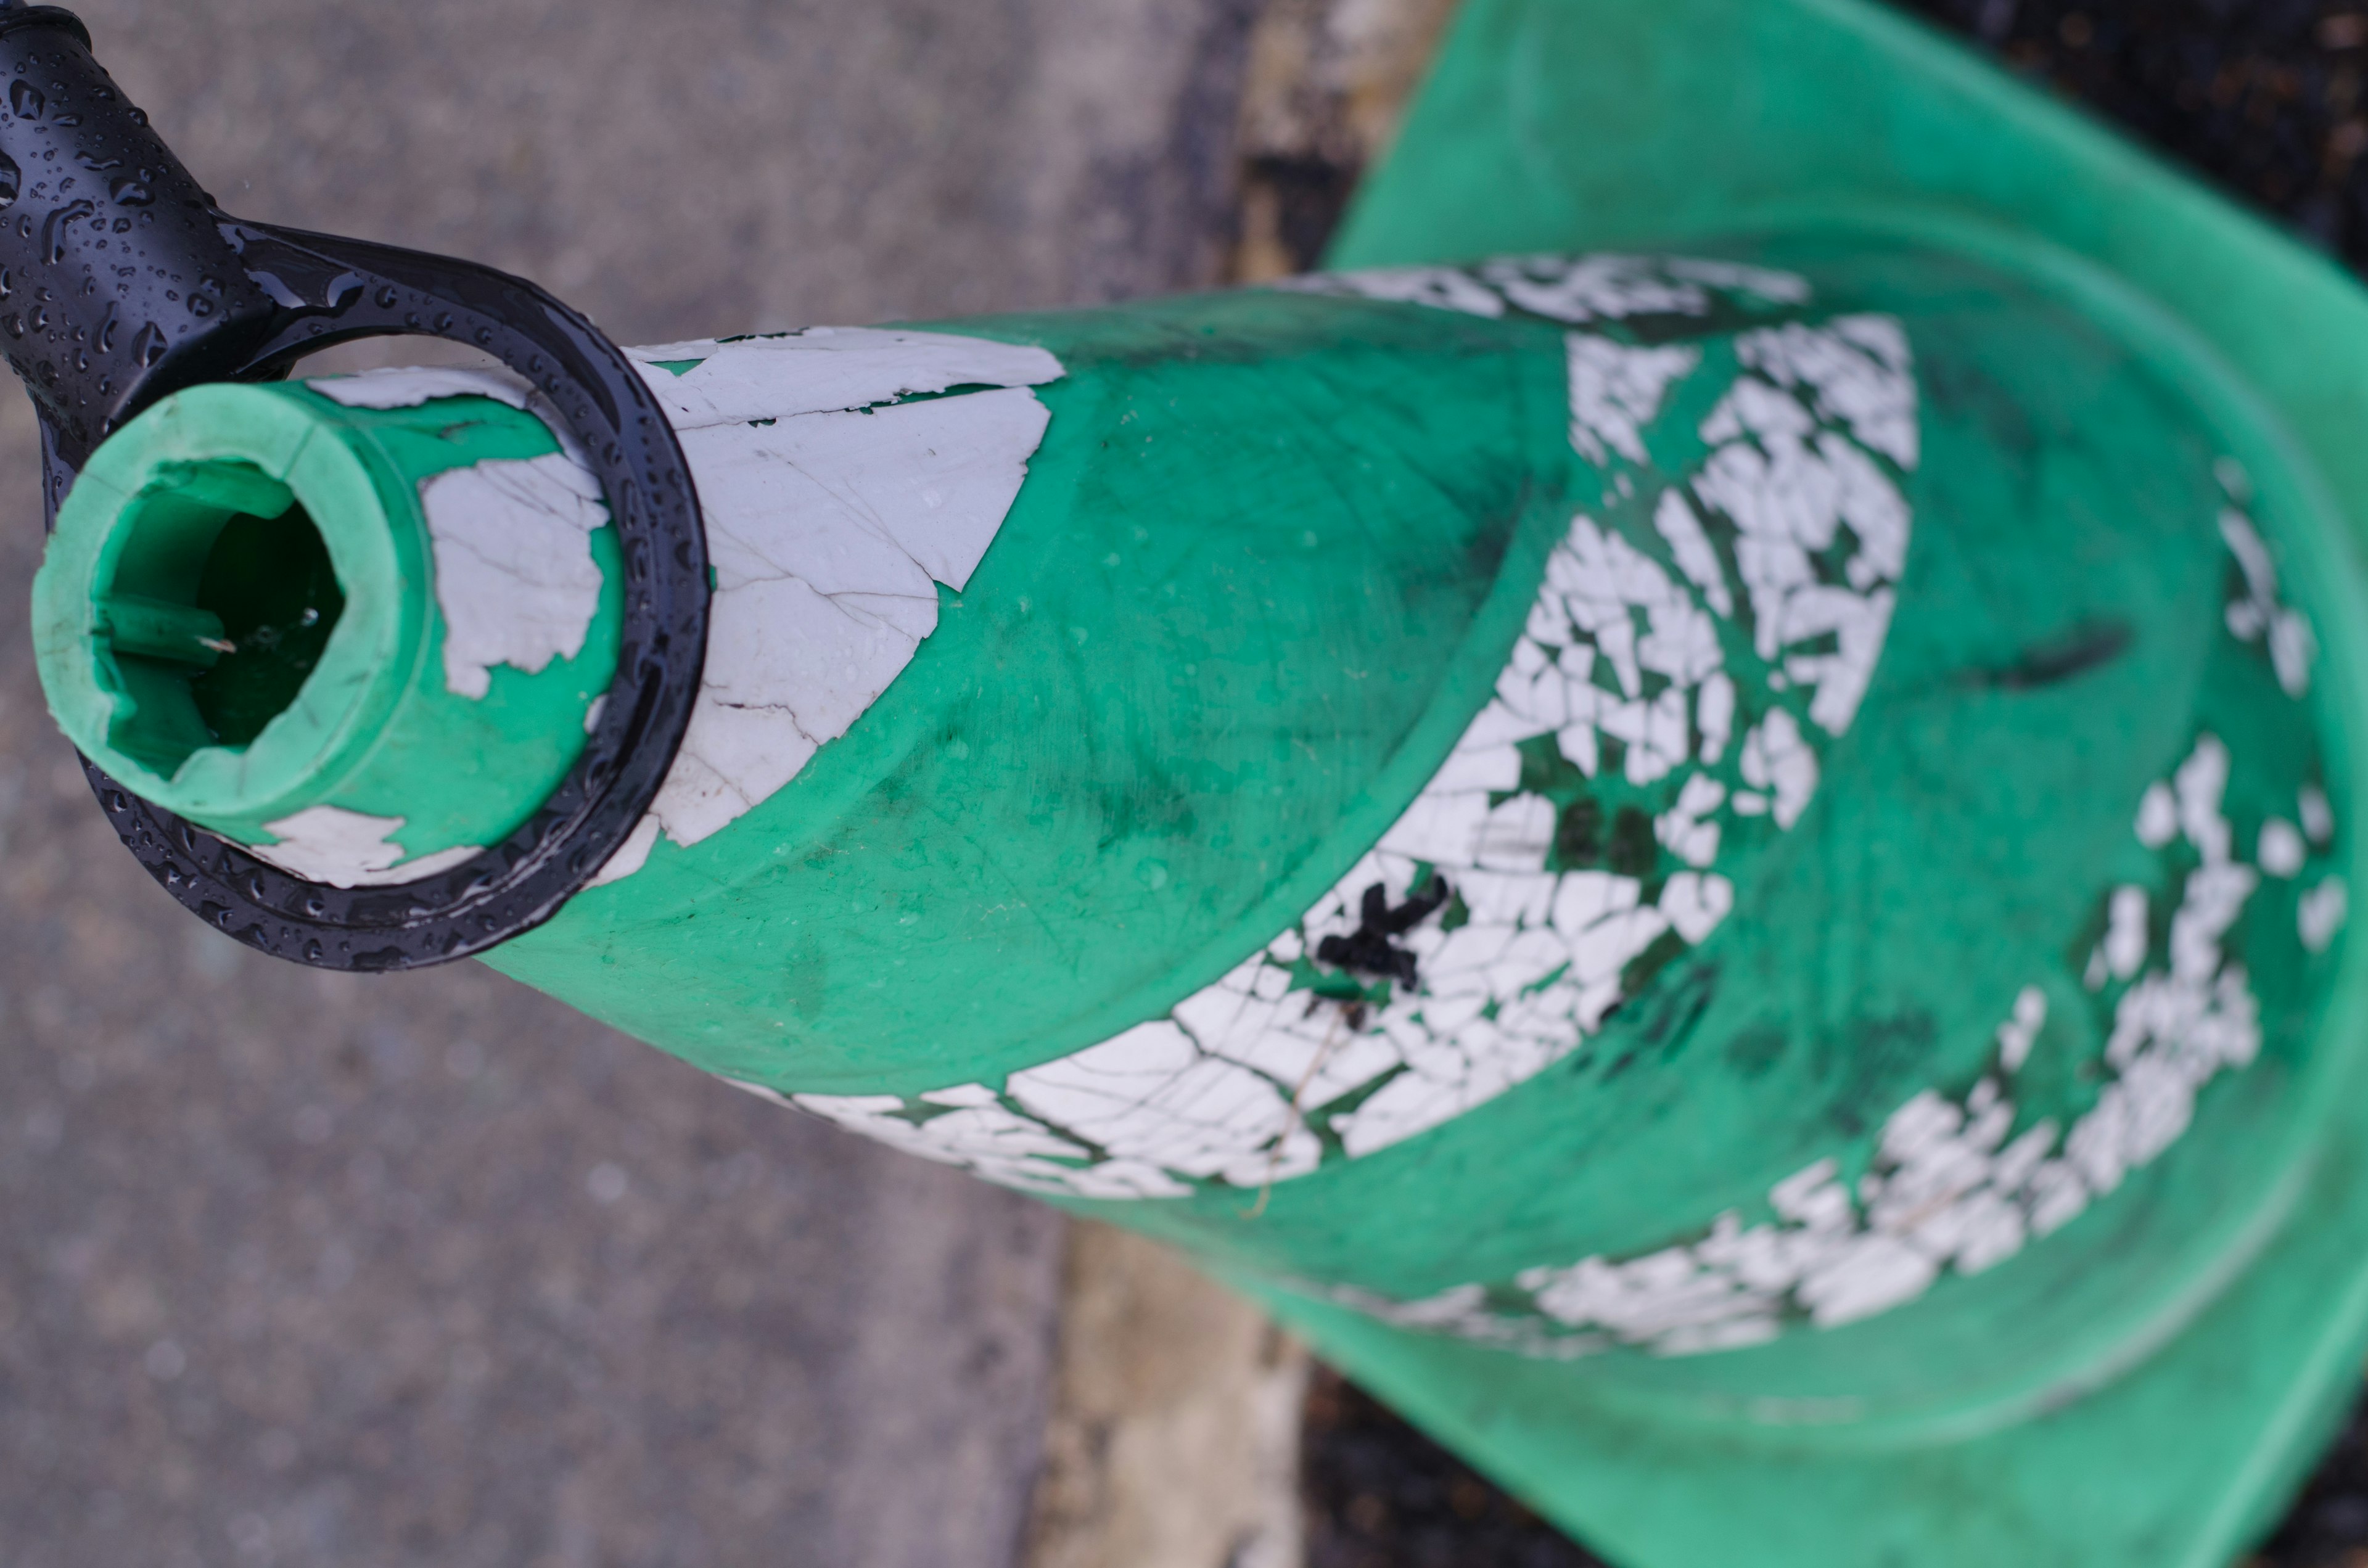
(1724, 870)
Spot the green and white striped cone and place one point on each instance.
(1730, 862)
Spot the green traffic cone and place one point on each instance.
(1720, 865)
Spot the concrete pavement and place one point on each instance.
(300, 1268)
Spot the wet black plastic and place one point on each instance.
(121, 282)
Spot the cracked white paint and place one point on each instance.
(2321, 913)
(515, 578)
(1442, 288)
(826, 370)
(1567, 289)
(1616, 391)
(1952, 1185)
(829, 533)
(1257, 1079)
(1624, 654)
(349, 849)
(832, 511)
(410, 387)
(2256, 615)
(832, 514)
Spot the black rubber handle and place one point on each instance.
(121, 282)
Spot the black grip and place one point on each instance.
(121, 282)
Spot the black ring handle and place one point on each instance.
(121, 282)
(345, 290)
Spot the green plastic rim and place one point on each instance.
(122, 629)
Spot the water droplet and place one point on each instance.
(485, 337)
(14, 323)
(200, 307)
(26, 100)
(130, 191)
(444, 322)
(149, 345)
(106, 334)
(139, 117)
(53, 228)
(387, 297)
(12, 179)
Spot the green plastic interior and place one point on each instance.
(220, 605)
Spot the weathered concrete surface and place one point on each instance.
(1174, 1441)
(313, 1270)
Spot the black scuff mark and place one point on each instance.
(2086, 647)
(1371, 949)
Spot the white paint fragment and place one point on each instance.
(1616, 391)
(1767, 283)
(2157, 816)
(1695, 903)
(632, 854)
(1683, 830)
(2258, 615)
(828, 370)
(2124, 946)
(1714, 717)
(2318, 816)
(1593, 288)
(2320, 914)
(829, 533)
(1441, 287)
(1776, 756)
(348, 850)
(1856, 367)
(2279, 851)
(1676, 523)
(515, 578)
(410, 387)
(1577, 289)
(2016, 1035)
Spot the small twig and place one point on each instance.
(1274, 1159)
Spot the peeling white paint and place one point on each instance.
(2281, 850)
(829, 533)
(832, 512)
(1616, 391)
(1227, 1088)
(1952, 1185)
(1577, 289)
(348, 850)
(411, 387)
(2321, 914)
(1623, 653)
(826, 370)
(2318, 816)
(1442, 288)
(515, 578)
(2258, 615)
